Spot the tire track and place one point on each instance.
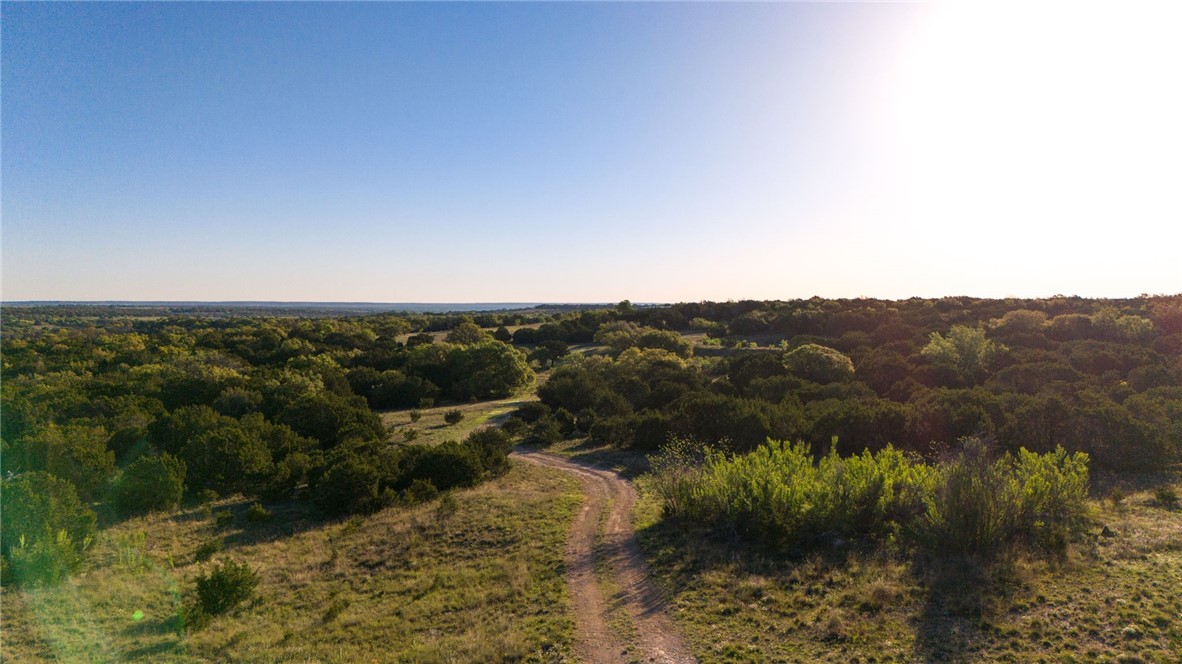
(656, 638)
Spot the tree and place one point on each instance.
(819, 364)
(227, 460)
(487, 370)
(467, 332)
(73, 452)
(149, 484)
(965, 353)
(503, 335)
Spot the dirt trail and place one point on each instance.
(656, 639)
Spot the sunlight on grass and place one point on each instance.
(475, 580)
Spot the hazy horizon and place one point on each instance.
(463, 153)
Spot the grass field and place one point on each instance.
(1117, 598)
(431, 429)
(477, 578)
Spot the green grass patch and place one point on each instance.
(430, 427)
(479, 577)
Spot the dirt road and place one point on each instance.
(609, 501)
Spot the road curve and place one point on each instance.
(656, 639)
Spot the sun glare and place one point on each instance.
(1053, 126)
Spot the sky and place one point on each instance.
(590, 152)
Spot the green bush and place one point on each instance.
(258, 514)
(223, 518)
(453, 416)
(819, 364)
(206, 549)
(980, 504)
(420, 491)
(492, 447)
(45, 528)
(779, 494)
(149, 484)
(44, 561)
(349, 486)
(975, 505)
(227, 585)
(447, 466)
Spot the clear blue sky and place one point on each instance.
(587, 152)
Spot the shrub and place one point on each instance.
(349, 486)
(974, 508)
(780, 495)
(258, 514)
(416, 415)
(981, 504)
(453, 416)
(226, 586)
(420, 491)
(150, 483)
(544, 432)
(446, 466)
(44, 561)
(410, 434)
(45, 527)
(492, 447)
(819, 364)
(514, 426)
(776, 494)
(1167, 497)
(223, 518)
(206, 549)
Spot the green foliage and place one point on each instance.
(777, 495)
(47, 561)
(149, 484)
(74, 452)
(467, 332)
(38, 507)
(1167, 497)
(206, 549)
(492, 446)
(224, 587)
(487, 370)
(227, 460)
(256, 513)
(982, 504)
(965, 353)
(453, 416)
(349, 486)
(783, 496)
(819, 364)
(448, 465)
(621, 336)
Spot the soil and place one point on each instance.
(608, 504)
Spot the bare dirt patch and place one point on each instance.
(654, 638)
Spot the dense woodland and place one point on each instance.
(111, 412)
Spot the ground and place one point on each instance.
(476, 578)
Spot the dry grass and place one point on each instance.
(480, 579)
